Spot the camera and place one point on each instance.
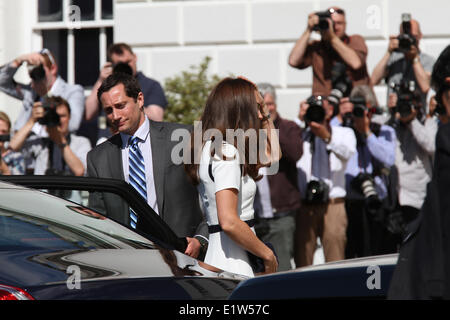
(365, 183)
(407, 99)
(406, 39)
(5, 137)
(315, 111)
(341, 84)
(323, 20)
(317, 192)
(123, 68)
(37, 73)
(440, 110)
(359, 106)
(50, 118)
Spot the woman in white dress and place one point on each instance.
(226, 172)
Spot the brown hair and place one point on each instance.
(4, 117)
(56, 101)
(231, 105)
(118, 48)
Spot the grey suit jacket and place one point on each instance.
(176, 197)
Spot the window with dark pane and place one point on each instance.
(56, 42)
(50, 10)
(107, 9)
(109, 37)
(87, 8)
(87, 56)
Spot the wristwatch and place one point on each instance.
(62, 145)
(203, 247)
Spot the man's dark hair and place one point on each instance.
(440, 77)
(132, 87)
(118, 48)
(56, 101)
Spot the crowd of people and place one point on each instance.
(352, 176)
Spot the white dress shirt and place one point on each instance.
(342, 146)
(144, 144)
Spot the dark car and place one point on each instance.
(361, 278)
(51, 248)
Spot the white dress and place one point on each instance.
(223, 252)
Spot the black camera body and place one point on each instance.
(341, 84)
(406, 39)
(317, 192)
(364, 182)
(37, 73)
(359, 106)
(5, 137)
(405, 42)
(123, 68)
(407, 97)
(440, 110)
(50, 118)
(315, 111)
(323, 20)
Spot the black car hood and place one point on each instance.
(113, 274)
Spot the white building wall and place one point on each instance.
(16, 19)
(253, 38)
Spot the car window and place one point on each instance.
(32, 219)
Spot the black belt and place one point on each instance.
(217, 228)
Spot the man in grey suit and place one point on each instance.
(168, 190)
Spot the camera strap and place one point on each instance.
(56, 159)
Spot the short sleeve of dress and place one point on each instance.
(227, 173)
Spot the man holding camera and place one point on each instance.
(408, 71)
(45, 81)
(335, 46)
(62, 153)
(404, 62)
(367, 172)
(154, 99)
(321, 180)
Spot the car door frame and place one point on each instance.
(150, 224)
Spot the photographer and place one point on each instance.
(10, 162)
(422, 268)
(277, 199)
(404, 62)
(416, 134)
(321, 179)
(367, 172)
(62, 153)
(335, 46)
(120, 54)
(45, 81)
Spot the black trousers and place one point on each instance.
(366, 232)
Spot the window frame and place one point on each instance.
(97, 23)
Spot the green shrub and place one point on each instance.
(187, 93)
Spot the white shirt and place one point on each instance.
(79, 145)
(144, 144)
(342, 146)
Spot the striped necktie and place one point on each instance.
(136, 174)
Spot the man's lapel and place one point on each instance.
(158, 144)
(115, 158)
